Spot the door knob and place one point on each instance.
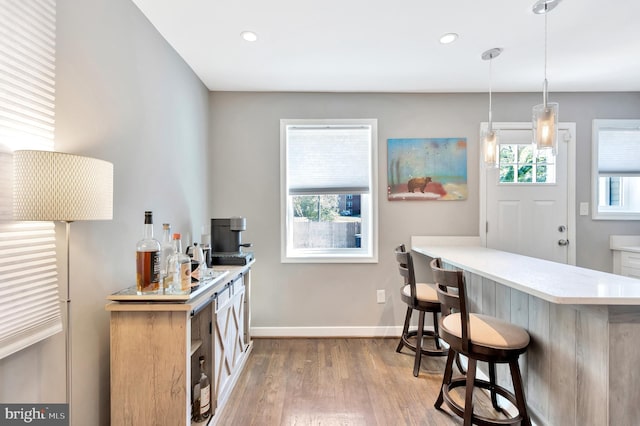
(563, 242)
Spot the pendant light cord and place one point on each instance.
(544, 88)
(490, 109)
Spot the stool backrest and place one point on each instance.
(452, 294)
(405, 267)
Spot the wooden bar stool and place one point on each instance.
(479, 338)
(423, 298)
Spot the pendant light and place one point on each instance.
(545, 115)
(489, 137)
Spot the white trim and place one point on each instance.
(569, 130)
(362, 331)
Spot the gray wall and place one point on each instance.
(122, 95)
(245, 174)
(125, 96)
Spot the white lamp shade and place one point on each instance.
(490, 148)
(51, 185)
(545, 126)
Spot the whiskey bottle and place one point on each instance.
(148, 259)
(178, 279)
(204, 386)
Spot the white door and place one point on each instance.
(527, 198)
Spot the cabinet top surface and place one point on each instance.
(554, 282)
(128, 299)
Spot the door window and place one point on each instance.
(524, 164)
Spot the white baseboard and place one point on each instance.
(381, 331)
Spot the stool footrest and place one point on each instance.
(477, 419)
(426, 333)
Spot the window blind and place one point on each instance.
(328, 160)
(29, 299)
(619, 152)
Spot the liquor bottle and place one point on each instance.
(148, 259)
(166, 250)
(204, 391)
(178, 279)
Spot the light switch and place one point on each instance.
(584, 209)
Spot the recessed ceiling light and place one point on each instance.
(448, 38)
(249, 36)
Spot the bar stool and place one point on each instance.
(423, 298)
(479, 338)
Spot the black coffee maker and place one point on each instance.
(226, 242)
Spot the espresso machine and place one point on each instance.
(226, 242)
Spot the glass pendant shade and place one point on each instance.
(545, 126)
(489, 137)
(490, 148)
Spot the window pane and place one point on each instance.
(525, 154)
(507, 154)
(326, 221)
(506, 174)
(525, 174)
(523, 163)
(541, 173)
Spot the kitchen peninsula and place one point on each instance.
(582, 365)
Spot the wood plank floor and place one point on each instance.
(341, 381)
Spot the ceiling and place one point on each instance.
(392, 46)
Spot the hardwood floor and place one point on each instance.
(341, 381)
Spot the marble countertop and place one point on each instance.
(554, 282)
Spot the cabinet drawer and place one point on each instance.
(630, 259)
(630, 272)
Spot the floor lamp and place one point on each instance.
(54, 186)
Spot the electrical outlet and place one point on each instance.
(381, 296)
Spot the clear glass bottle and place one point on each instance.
(166, 250)
(198, 265)
(203, 409)
(148, 259)
(178, 279)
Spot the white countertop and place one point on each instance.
(554, 282)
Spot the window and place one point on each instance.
(29, 300)
(616, 169)
(525, 164)
(519, 160)
(329, 190)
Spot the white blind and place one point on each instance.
(29, 310)
(328, 159)
(619, 152)
(29, 305)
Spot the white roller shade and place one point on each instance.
(29, 299)
(328, 160)
(619, 152)
(29, 306)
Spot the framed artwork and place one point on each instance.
(427, 169)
